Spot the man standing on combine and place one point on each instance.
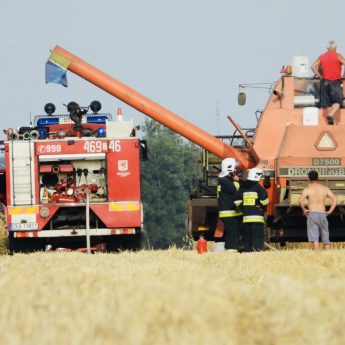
(331, 95)
(317, 223)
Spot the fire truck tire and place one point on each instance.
(124, 242)
(114, 244)
(24, 245)
(133, 242)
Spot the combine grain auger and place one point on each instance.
(150, 108)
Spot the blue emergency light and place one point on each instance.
(47, 121)
(97, 119)
(101, 132)
(42, 133)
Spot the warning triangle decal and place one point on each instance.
(326, 142)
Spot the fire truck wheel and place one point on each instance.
(133, 242)
(114, 244)
(24, 245)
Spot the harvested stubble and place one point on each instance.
(173, 297)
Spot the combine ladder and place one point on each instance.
(21, 164)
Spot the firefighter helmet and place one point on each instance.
(255, 174)
(228, 166)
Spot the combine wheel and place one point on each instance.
(282, 244)
(267, 234)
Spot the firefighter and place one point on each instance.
(254, 199)
(227, 188)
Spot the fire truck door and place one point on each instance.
(123, 171)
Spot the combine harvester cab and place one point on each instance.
(52, 167)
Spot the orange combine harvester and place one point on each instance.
(291, 138)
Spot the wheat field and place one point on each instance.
(173, 297)
(294, 296)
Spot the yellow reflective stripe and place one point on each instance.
(219, 189)
(23, 210)
(238, 202)
(229, 213)
(121, 207)
(253, 219)
(237, 185)
(264, 202)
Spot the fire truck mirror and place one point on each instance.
(143, 150)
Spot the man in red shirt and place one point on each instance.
(331, 95)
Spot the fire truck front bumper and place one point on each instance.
(74, 232)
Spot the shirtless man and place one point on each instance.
(316, 214)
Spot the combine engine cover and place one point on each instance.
(51, 168)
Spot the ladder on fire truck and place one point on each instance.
(21, 153)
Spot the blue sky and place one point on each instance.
(187, 55)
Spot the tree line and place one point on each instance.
(165, 182)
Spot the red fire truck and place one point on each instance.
(52, 166)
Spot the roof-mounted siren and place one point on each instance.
(95, 106)
(49, 108)
(242, 97)
(300, 66)
(72, 107)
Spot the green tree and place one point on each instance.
(165, 182)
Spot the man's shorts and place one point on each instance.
(330, 93)
(317, 224)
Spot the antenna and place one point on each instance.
(30, 107)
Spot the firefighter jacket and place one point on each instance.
(253, 199)
(226, 193)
